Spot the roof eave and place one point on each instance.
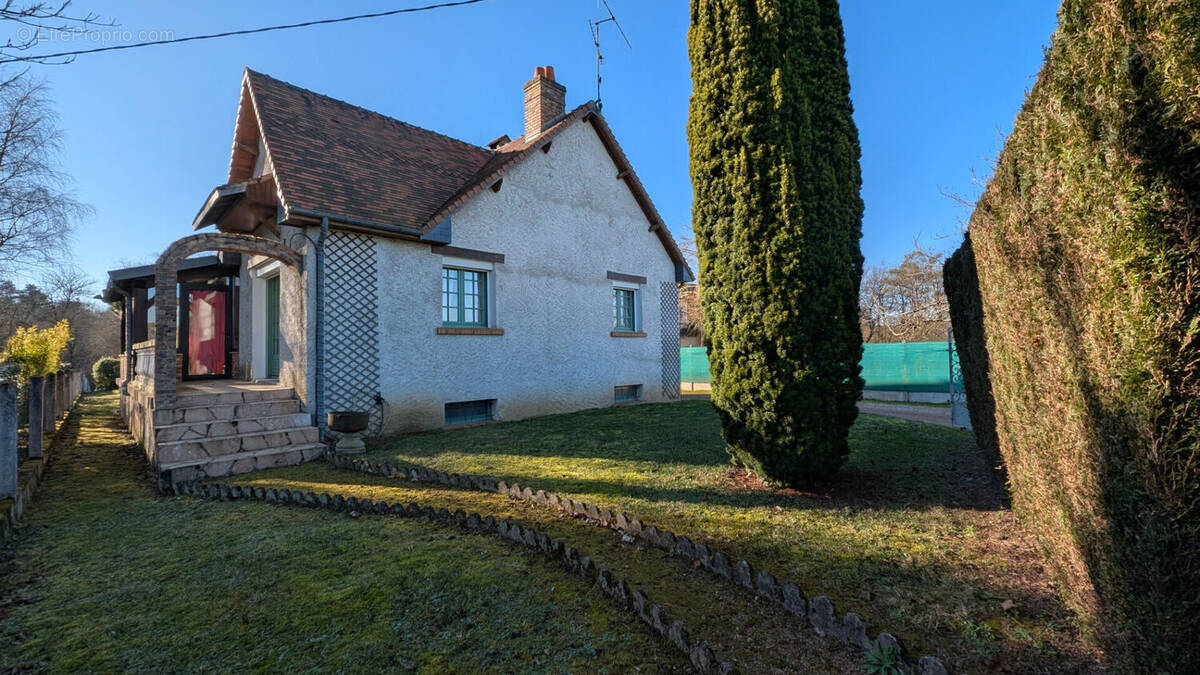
(683, 272)
(220, 200)
(587, 112)
(456, 202)
(349, 222)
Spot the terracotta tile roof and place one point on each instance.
(509, 154)
(332, 157)
(335, 157)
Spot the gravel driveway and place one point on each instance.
(915, 413)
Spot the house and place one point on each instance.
(355, 262)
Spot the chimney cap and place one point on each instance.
(544, 71)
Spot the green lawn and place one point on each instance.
(106, 576)
(913, 536)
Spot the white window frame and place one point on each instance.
(637, 302)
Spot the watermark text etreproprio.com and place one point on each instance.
(107, 35)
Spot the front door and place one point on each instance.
(273, 327)
(205, 329)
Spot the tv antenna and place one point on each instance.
(594, 26)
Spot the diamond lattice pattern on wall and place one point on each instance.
(669, 321)
(351, 325)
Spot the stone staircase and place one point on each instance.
(237, 430)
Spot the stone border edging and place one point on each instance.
(654, 615)
(819, 612)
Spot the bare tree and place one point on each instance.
(907, 302)
(691, 318)
(687, 246)
(34, 22)
(63, 294)
(36, 209)
(66, 285)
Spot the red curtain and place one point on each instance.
(206, 332)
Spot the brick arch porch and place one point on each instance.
(167, 302)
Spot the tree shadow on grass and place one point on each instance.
(894, 464)
(961, 617)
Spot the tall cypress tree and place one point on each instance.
(777, 217)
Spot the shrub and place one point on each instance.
(777, 217)
(36, 351)
(966, 319)
(105, 373)
(1085, 243)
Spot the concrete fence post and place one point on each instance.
(62, 381)
(55, 397)
(37, 404)
(48, 405)
(8, 439)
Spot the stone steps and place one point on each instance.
(226, 412)
(233, 397)
(191, 431)
(233, 430)
(241, 462)
(227, 445)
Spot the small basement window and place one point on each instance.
(467, 412)
(628, 392)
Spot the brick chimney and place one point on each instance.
(545, 100)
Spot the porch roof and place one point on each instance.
(121, 281)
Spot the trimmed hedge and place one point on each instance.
(966, 319)
(105, 372)
(1087, 242)
(777, 217)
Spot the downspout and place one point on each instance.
(319, 319)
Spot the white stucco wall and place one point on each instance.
(562, 221)
(296, 318)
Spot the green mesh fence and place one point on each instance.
(908, 366)
(693, 365)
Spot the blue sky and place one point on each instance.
(936, 85)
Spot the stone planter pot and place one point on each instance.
(350, 424)
(348, 421)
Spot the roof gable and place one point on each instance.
(512, 153)
(334, 157)
(338, 159)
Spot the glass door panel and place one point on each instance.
(207, 311)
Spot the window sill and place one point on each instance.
(627, 333)
(465, 330)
